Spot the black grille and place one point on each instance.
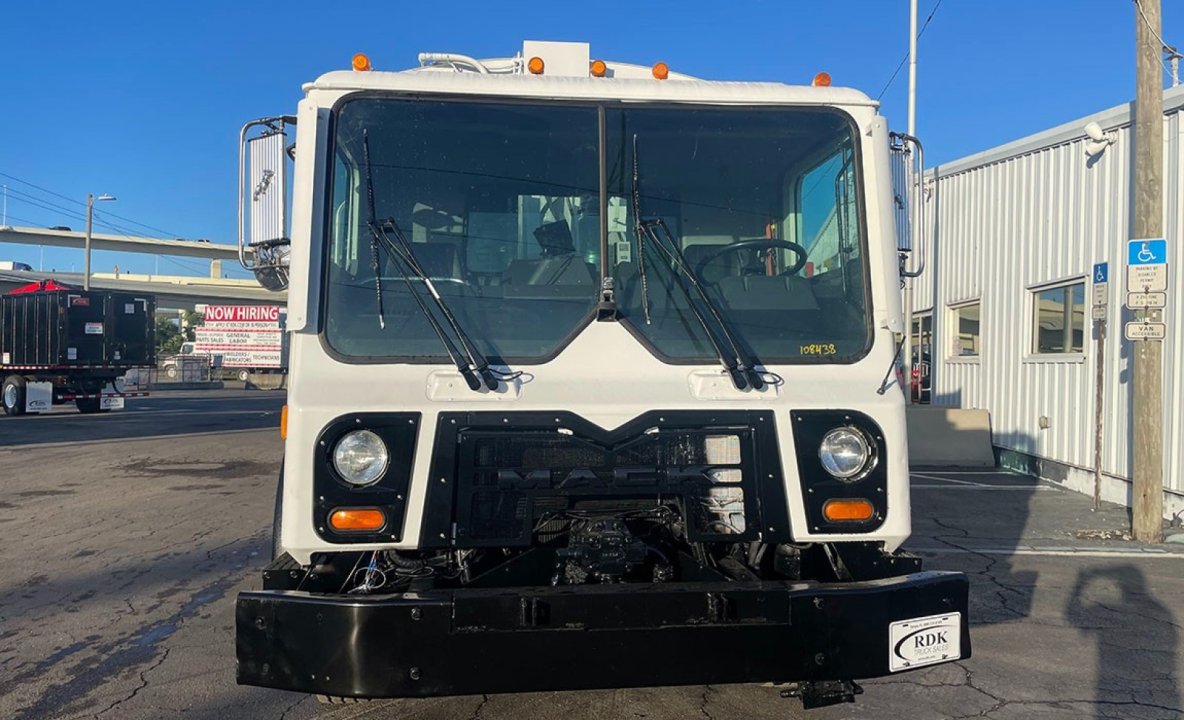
(512, 471)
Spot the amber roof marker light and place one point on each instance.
(535, 66)
(661, 70)
(361, 63)
(598, 68)
(822, 79)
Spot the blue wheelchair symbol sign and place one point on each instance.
(1147, 252)
(1101, 273)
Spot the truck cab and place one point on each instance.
(586, 358)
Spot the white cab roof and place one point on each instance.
(673, 90)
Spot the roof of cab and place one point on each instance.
(673, 90)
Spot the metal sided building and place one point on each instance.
(1003, 317)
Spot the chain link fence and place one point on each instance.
(179, 369)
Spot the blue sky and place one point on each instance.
(144, 100)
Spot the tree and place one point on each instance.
(168, 336)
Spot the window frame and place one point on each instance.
(809, 163)
(1032, 308)
(599, 106)
(326, 224)
(952, 312)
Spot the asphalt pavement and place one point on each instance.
(127, 535)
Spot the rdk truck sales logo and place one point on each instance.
(925, 641)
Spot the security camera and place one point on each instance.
(1094, 149)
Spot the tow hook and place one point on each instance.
(820, 693)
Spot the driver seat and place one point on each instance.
(726, 265)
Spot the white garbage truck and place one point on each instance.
(594, 384)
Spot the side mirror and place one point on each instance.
(264, 163)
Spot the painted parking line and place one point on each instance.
(1148, 553)
(996, 471)
(1026, 488)
(947, 480)
(953, 484)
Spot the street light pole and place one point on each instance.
(90, 211)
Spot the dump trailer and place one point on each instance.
(594, 384)
(60, 344)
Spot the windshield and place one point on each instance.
(764, 207)
(500, 204)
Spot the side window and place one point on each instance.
(345, 237)
(1058, 319)
(827, 214)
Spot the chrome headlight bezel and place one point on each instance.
(366, 472)
(847, 453)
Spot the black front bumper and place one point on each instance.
(466, 641)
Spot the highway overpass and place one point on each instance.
(121, 243)
(172, 292)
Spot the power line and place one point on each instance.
(74, 214)
(191, 266)
(1165, 47)
(905, 59)
(83, 204)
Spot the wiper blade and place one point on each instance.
(742, 371)
(476, 371)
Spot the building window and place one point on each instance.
(921, 382)
(1058, 317)
(967, 332)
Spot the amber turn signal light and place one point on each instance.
(355, 519)
(284, 422)
(848, 510)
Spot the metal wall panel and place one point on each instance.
(1040, 211)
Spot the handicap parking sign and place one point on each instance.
(1147, 252)
(1101, 273)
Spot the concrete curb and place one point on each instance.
(212, 385)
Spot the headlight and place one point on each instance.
(845, 453)
(360, 457)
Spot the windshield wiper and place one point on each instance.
(742, 371)
(476, 370)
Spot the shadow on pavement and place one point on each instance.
(1136, 637)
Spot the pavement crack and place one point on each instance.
(143, 684)
(292, 707)
(480, 707)
(991, 561)
(704, 700)
(944, 526)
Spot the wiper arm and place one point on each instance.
(476, 371)
(739, 368)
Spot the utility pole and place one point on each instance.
(1147, 375)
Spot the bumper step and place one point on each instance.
(466, 641)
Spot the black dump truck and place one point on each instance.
(60, 344)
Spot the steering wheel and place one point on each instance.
(757, 244)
